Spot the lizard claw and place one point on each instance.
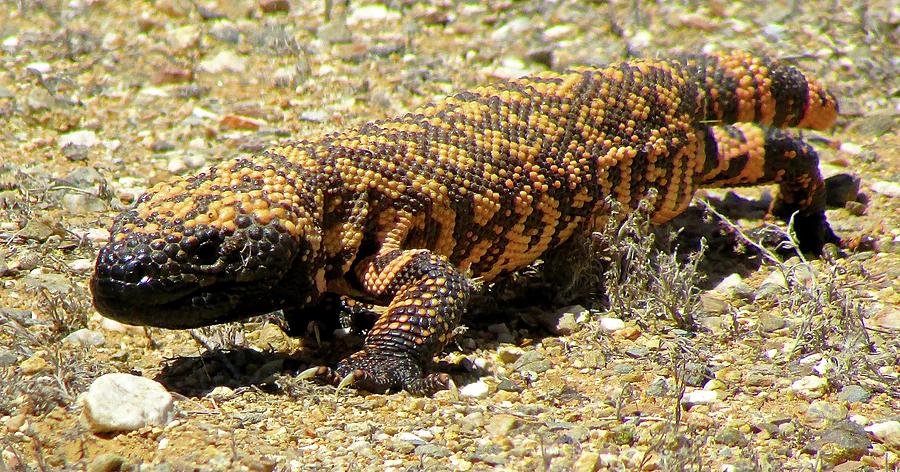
(320, 372)
(348, 380)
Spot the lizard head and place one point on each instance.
(236, 241)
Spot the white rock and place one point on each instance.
(887, 433)
(559, 32)
(729, 282)
(81, 266)
(850, 148)
(176, 165)
(195, 161)
(374, 12)
(409, 437)
(611, 324)
(775, 278)
(97, 235)
(810, 387)
(512, 29)
(184, 37)
(124, 402)
(316, 116)
(11, 42)
(114, 326)
(890, 189)
(700, 397)
(42, 67)
(477, 389)
(111, 41)
(85, 337)
(224, 61)
(83, 137)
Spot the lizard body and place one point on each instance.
(406, 212)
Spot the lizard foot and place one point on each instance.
(379, 372)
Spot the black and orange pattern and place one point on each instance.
(407, 212)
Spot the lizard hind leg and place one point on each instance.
(753, 154)
(427, 296)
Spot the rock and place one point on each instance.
(874, 124)
(611, 324)
(238, 122)
(116, 327)
(7, 358)
(124, 402)
(559, 32)
(658, 388)
(842, 442)
(315, 116)
(700, 397)
(34, 364)
(854, 394)
(225, 31)
(432, 450)
(696, 374)
(887, 433)
(185, 37)
(501, 424)
(274, 6)
(810, 387)
(729, 375)
(891, 189)
(564, 321)
(83, 137)
(85, 337)
(769, 322)
(81, 266)
(731, 437)
(728, 283)
(411, 438)
(532, 361)
(587, 461)
(334, 31)
(477, 389)
(107, 463)
(511, 30)
(225, 61)
(887, 318)
(829, 412)
(372, 12)
(713, 303)
(509, 354)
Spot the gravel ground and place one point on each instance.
(790, 365)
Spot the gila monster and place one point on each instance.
(408, 212)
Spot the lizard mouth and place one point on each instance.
(190, 305)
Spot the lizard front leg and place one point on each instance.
(427, 296)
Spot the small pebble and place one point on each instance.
(85, 337)
(409, 437)
(85, 138)
(891, 189)
(501, 424)
(611, 324)
(477, 389)
(225, 61)
(887, 433)
(810, 387)
(34, 364)
(854, 394)
(700, 397)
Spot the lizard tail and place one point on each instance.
(741, 87)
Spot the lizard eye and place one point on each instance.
(207, 253)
